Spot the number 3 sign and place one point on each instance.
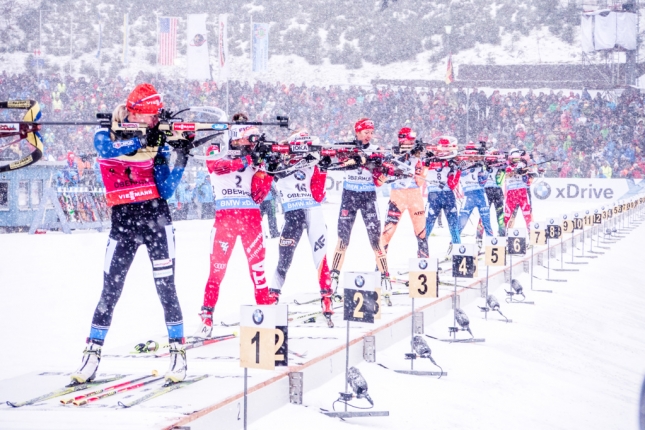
(423, 278)
(263, 336)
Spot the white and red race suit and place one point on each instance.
(301, 192)
(517, 192)
(238, 188)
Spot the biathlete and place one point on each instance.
(406, 194)
(442, 178)
(239, 186)
(301, 191)
(138, 180)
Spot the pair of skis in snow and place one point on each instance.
(108, 391)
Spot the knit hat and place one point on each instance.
(406, 133)
(144, 99)
(363, 124)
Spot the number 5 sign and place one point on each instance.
(495, 248)
(423, 278)
(258, 335)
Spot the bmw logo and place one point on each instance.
(258, 316)
(462, 249)
(564, 217)
(575, 215)
(542, 190)
(359, 281)
(493, 241)
(300, 175)
(603, 208)
(536, 226)
(516, 232)
(551, 221)
(423, 264)
(587, 212)
(595, 211)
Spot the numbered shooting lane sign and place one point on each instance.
(495, 248)
(360, 297)
(423, 278)
(567, 223)
(258, 335)
(538, 233)
(553, 228)
(281, 346)
(588, 219)
(516, 241)
(464, 260)
(577, 221)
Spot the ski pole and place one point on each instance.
(113, 392)
(101, 390)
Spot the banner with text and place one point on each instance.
(260, 44)
(223, 48)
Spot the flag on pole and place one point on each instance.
(126, 34)
(260, 47)
(166, 41)
(223, 47)
(98, 52)
(197, 61)
(450, 77)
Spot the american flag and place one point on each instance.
(167, 41)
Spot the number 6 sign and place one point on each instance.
(423, 278)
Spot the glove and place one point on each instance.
(155, 137)
(324, 163)
(272, 166)
(358, 159)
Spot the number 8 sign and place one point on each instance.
(423, 278)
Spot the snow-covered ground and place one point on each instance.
(572, 361)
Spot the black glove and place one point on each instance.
(324, 163)
(155, 137)
(272, 166)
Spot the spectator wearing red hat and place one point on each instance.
(138, 181)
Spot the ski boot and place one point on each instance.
(177, 370)
(326, 302)
(386, 287)
(274, 296)
(206, 327)
(335, 280)
(89, 364)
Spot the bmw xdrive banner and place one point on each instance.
(584, 189)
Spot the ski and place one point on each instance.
(102, 390)
(202, 342)
(166, 388)
(114, 391)
(153, 346)
(66, 390)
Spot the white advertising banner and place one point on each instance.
(595, 190)
(592, 190)
(223, 47)
(197, 61)
(260, 47)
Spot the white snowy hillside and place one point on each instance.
(320, 42)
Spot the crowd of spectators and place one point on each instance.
(588, 136)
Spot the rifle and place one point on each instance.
(170, 125)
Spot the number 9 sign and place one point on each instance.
(423, 278)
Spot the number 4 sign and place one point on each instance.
(260, 327)
(464, 263)
(423, 278)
